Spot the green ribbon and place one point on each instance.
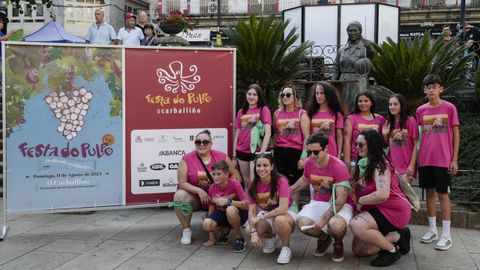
(345, 184)
(420, 129)
(304, 155)
(184, 207)
(294, 208)
(256, 134)
(362, 166)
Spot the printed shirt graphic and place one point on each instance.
(401, 142)
(324, 122)
(360, 124)
(289, 129)
(436, 146)
(245, 122)
(322, 179)
(233, 191)
(395, 209)
(263, 200)
(196, 174)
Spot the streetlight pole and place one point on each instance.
(219, 36)
(462, 18)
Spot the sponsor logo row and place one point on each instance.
(156, 183)
(165, 138)
(157, 167)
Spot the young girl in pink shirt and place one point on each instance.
(253, 110)
(362, 118)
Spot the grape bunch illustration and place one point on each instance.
(71, 109)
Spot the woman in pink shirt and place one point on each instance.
(194, 180)
(326, 116)
(272, 211)
(362, 118)
(400, 133)
(253, 110)
(291, 130)
(383, 210)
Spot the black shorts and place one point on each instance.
(245, 156)
(220, 217)
(286, 162)
(435, 177)
(384, 226)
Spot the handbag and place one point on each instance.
(210, 178)
(406, 188)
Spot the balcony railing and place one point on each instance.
(207, 7)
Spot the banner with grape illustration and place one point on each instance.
(64, 126)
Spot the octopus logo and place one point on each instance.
(178, 78)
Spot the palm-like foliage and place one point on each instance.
(264, 56)
(401, 66)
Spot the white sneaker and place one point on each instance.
(186, 237)
(444, 243)
(269, 246)
(285, 255)
(429, 237)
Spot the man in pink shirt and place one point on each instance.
(437, 157)
(330, 207)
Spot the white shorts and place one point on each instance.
(270, 220)
(315, 210)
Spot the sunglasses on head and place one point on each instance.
(314, 152)
(288, 95)
(359, 145)
(200, 142)
(263, 154)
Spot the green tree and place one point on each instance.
(265, 55)
(30, 4)
(401, 66)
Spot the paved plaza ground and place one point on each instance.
(149, 238)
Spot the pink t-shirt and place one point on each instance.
(196, 175)
(436, 146)
(360, 124)
(325, 123)
(263, 199)
(402, 144)
(245, 122)
(289, 129)
(322, 179)
(395, 209)
(233, 191)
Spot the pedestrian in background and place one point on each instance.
(130, 35)
(101, 32)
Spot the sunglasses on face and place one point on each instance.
(359, 145)
(200, 142)
(288, 95)
(314, 152)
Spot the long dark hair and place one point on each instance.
(330, 96)
(261, 98)
(274, 180)
(370, 96)
(376, 155)
(404, 112)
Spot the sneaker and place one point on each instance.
(239, 245)
(269, 246)
(186, 237)
(285, 255)
(404, 241)
(386, 258)
(337, 255)
(444, 243)
(429, 237)
(224, 238)
(322, 246)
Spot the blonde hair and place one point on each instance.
(297, 102)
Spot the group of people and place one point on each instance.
(132, 34)
(351, 164)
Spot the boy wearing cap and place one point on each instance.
(130, 35)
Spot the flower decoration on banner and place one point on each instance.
(178, 78)
(178, 18)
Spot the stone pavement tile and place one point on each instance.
(43, 217)
(39, 260)
(68, 224)
(70, 246)
(224, 256)
(435, 267)
(471, 239)
(106, 256)
(257, 259)
(476, 258)
(405, 262)
(16, 246)
(17, 227)
(150, 229)
(96, 232)
(149, 263)
(425, 254)
(126, 217)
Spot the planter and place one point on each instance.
(169, 28)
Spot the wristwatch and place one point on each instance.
(229, 202)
